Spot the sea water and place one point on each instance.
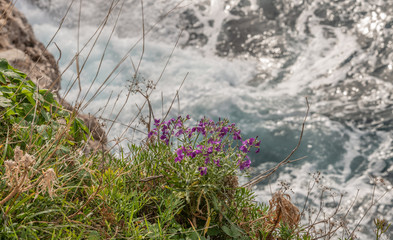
(254, 62)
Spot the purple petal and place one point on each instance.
(243, 148)
(180, 132)
(202, 170)
(198, 151)
(236, 136)
(179, 151)
(210, 150)
(151, 133)
(217, 162)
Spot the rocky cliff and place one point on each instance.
(20, 47)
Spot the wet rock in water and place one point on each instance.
(193, 28)
(23, 51)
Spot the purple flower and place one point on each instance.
(179, 151)
(210, 150)
(180, 155)
(202, 127)
(180, 132)
(248, 142)
(151, 133)
(257, 151)
(202, 170)
(236, 136)
(245, 164)
(156, 122)
(223, 132)
(217, 162)
(202, 130)
(191, 153)
(207, 160)
(179, 124)
(198, 151)
(243, 148)
(191, 131)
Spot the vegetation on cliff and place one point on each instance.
(181, 183)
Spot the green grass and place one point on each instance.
(50, 189)
(97, 196)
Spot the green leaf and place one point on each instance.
(10, 112)
(3, 64)
(227, 230)
(46, 115)
(47, 96)
(25, 109)
(29, 95)
(235, 231)
(194, 236)
(64, 149)
(45, 212)
(21, 74)
(6, 89)
(94, 235)
(5, 102)
(215, 231)
(10, 74)
(2, 79)
(61, 113)
(82, 125)
(21, 202)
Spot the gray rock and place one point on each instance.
(23, 51)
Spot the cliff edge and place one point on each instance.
(23, 51)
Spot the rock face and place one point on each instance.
(20, 47)
(23, 51)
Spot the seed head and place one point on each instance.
(47, 182)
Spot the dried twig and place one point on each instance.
(148, 179)
(269, 172)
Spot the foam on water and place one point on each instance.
(211, 80)
(347, 136)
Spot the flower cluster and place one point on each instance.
(206, 145)
(17, 171)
